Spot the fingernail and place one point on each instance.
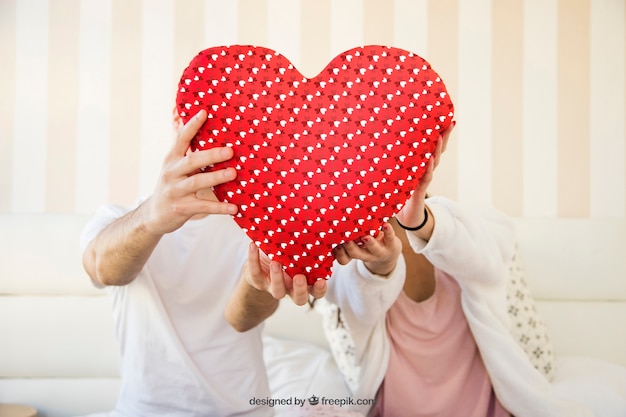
(299, 280)
(275, 266)
(230, 174)
(232, 209)
(226, 152)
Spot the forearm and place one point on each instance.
(367, 296)
(117, 254)
(466, 244)
(248, 307)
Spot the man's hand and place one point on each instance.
(266, 275)
(184, 190)
(379, 254)
(260, 288)
(117, 254)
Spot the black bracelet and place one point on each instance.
(415, 229)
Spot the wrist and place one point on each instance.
(256, 295)
(148, 220)
(426, 228)
(383, 269)
(419, 226)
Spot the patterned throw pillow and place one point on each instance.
(527, 326)
(340, 341)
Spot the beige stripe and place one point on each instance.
(252, 29)
(507, 110)
(125, 101)
(573, 72)
(410, 25)
(443, 47)
(189, 34)
(378, 22)
(346, 25)
(315, 38)
(624, 119)
(62, 105)
(7, 100)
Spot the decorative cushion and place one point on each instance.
(527, 326)
(320, 161)
(340, 340)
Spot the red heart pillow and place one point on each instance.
(320, 160)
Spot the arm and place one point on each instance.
(474, 247)
(262, 285)
(415, 212)
(117, 254)
(366, 289)
(455, 239)
(366, 281)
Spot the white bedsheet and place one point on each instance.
(598, 383)
(303, 370)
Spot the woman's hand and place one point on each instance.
(379, 253)
(413, 213)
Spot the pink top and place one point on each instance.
(435, 368)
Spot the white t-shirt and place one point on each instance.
(179, 356)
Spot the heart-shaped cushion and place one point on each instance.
(320, 160)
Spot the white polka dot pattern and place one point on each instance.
(320, 161)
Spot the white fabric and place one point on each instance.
(179, 356)
(475, 250)
(598, 383)
(298, 373)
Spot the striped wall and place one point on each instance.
(87, 88)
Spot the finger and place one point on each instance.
(446, 135)
(204, 180)
(195, 161)
(318, 289)
(371, 246)
(427, 177)
(254, 268)
(340, 255)
(300, 290)
(177, 121)
(187, 133)
(190, 206)
(354, 251)
(382, 246)
(389, 235)
(437, 152)
(202, 206)
(277, 283)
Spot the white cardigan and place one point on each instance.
(475, 250)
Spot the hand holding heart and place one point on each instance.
(266, 275)
(380, 254)
(412, 214)
(183, 191)
(319, 161)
